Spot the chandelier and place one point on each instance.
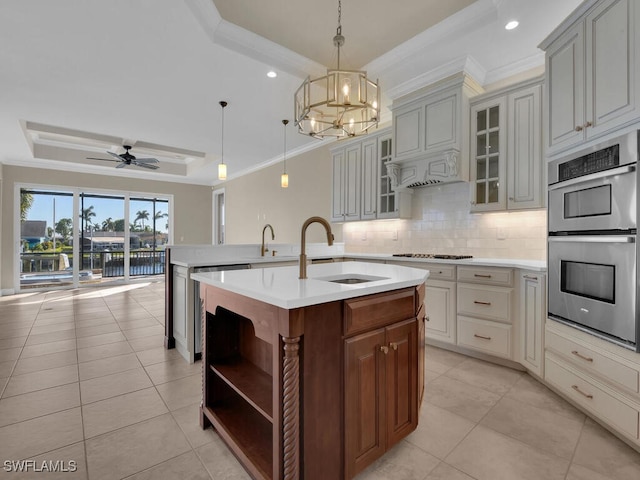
(343, 103)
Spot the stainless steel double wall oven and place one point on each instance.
(593, 250)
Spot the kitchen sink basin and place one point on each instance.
(351, 278)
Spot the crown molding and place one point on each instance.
(475, 16)
(254, 46)
(514, 68)
(465, 64)
(263, 50)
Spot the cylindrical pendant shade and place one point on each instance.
(222, 171)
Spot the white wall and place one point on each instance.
(257, 199)
(441, 223)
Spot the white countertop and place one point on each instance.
(281, 287)
(533, 265)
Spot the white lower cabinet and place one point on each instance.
(485, 310)
(440, 307)
(486, 336)
(598, 376)
(533, 311)
(183, 312)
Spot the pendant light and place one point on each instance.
(222, 168)
(284, 178)
(343, 103)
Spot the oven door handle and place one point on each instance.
(594, 239)
(594, 176)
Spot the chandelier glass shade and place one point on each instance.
(343, 103)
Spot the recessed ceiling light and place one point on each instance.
(511, 25)
(272, 74)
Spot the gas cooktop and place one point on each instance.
(433, 255)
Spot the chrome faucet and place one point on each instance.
(264, 249)
(303, 257)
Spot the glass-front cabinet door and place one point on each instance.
(386, 196)
(488, 155)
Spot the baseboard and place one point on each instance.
(7, 291)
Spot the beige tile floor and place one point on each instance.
(84, 378)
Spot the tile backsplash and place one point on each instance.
(441, 223)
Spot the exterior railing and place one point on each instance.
(109, 264)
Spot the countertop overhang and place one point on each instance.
(280, 286)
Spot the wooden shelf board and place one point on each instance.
(251, 383)
(249, 436)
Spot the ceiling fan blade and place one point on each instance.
(145, 165)
(121, 165)
(118, 157)
(147, 160)
(104, 159)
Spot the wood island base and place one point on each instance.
(317, 392)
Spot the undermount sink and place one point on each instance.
(351, 278)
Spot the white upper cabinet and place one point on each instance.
(506, 168)
(361, 184)
(592, 73)
(525, 187)
(430, 124)
(346, 184)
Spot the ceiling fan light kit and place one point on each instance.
(127, 159)
(343, 103)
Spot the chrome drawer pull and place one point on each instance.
(577, 389)
(530, 277)
(577, 354)
(478, 302)
(481, 336)
(481, 276)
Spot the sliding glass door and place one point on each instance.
(112, 237)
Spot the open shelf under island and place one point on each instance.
(314, 378)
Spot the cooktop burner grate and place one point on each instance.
(433, 255)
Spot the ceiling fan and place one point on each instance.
(126, 159)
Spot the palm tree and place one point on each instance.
(107, 225)
(141, 215)
(87, 214)
(26, 202)
(158, 216)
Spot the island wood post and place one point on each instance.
(291, 408)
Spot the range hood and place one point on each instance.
(431, 134)
(442, 167)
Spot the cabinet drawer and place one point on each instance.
(440, 271)
(592, 395)
(490, 303)
(373, 311)
(490, 337)
(437, 271)
(592, 361)
(486, 275)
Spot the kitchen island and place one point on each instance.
(313, 378)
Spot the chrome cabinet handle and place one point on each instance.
(577, 354)
(481, 336)
(577, 389)
(478, 302)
